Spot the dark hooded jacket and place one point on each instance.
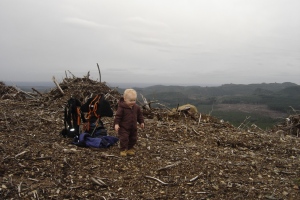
(127, 117)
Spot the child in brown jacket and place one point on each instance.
(127, 116)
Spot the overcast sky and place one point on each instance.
(171, 42)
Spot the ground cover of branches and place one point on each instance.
(178, 156)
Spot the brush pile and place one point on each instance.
(178, 157)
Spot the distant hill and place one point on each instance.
(226, 89)
(278, 98)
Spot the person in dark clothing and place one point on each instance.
(125, 123)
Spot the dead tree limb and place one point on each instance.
(37, 92)
(169, 166)
(19, 90)
(99, 182)
(72, 74)
(153, 178)
(99, 72)
(146, 104)
(199, 119)
(296, 111)
(57, 85)
(88, 75)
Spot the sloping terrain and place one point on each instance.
(251, 108)
(178, 156)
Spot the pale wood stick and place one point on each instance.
(19, 90)
(57, 85)
(169, 166)
(150, 177)
(99, 72)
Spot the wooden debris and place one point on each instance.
(57, 85)
(156, 179)
(169, 166)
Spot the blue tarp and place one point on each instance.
(87, 140)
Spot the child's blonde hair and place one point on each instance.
(128, 92)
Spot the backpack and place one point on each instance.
(96, 107)
(72, 118)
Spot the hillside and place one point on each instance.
(279, 99)
(179, 156)
(226, 89)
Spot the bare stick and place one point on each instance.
(195, 178)
(195, 131)
(35, 194)
(20, 189)
(37, 92)
(19, 90)
(98, 182)
(19, 154)
(57, 85)
(145, 102)
(88, 75)
(199, 119)
(169, 166)
(33, 179)
(72, 74)
(293, 109)
(150, 177)
(99, 72)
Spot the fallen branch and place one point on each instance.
(37, 92)
(156, 179)
(193, 179)
(146, 104)
(99, 182)
(199, 119)
(72, 74)
(99, 72)
(35, 194)
(19, 90)
(195, 131)
(295, 111)
(19, 154)
(33, 179)
(20, 189)
(169, 166)
(201, 192)
(61, 91)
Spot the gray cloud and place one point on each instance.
(186, 42)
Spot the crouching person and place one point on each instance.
(125, 123)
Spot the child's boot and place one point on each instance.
(131, 152)
(123, 153)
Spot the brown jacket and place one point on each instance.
(127, 117)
